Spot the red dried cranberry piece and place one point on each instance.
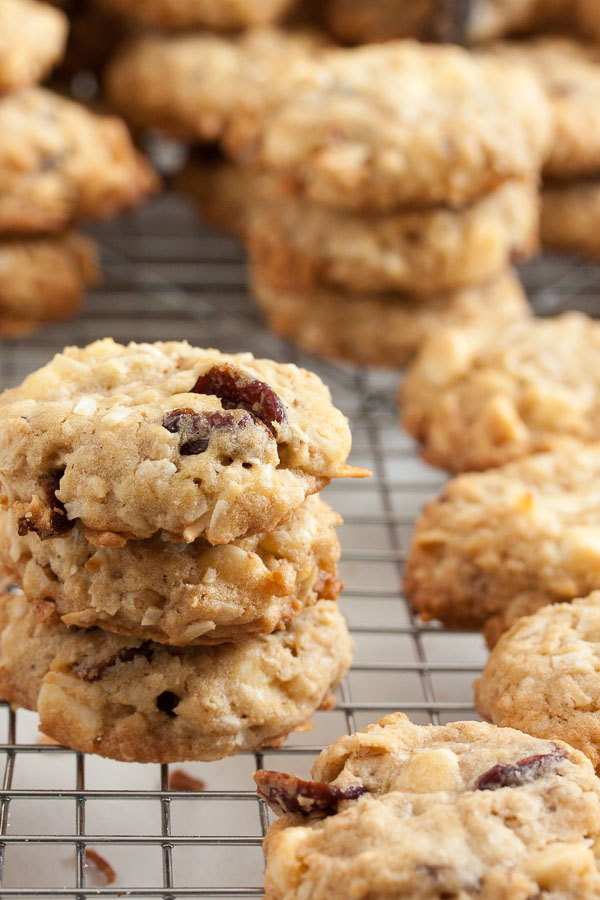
(236, 390)
(522, 772)
(195, 427)
(51, 519)
(288, 794)
(96, 671)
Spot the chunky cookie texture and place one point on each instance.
(380, 329)
(300, 244)
(569, 72)
(165, 437)
(500, 544)
(42, 279)
(180, 594)
(400, 124)
(32, 40)
(59, 162)
(461, 810)
(543, 676)
(477, 398)
(140, 701)
(225, 15)
(190, 85)
(571, 216)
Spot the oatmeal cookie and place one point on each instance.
(190, 85)
(32, 40)
(395, 125)
(380, 329)
(166, 437)
(459, 21)
(569, 72)
(513, 538)
(477, 398)
(144, 702)
(571, 216)
(299, 243)
(43, 279)
(543, 676)
(460, 810)
(60, 162)
(225, 15)
(181, 594)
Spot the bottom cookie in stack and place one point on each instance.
(43, 279)
(136, 700)
(381, 329)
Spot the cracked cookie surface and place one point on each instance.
(167, 437)
(144, 702)
(463, 810)
(181, 594)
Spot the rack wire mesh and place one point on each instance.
(168, 278)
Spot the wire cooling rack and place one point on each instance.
(167, 278)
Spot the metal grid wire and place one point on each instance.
(167, 278)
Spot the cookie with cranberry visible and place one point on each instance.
(457, 810)
(498, 544)
(42, 279)
(59, 163)
(478, 397)
(226, 15)
(165, 437)
(543, 676)
(395, 125)
(32, 40)
(380, 329)
(139, 701)
(180, 594)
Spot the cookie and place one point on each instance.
(459, 21)
(299, 243)
(225, 194)
(478, 397)
(459, 810)
(543, 676)
(226, 15)
(508, 540)
(60, 162)
(395, 125)
(569, 72)
(587, 17)
(32, 40)
(380, 329)
(570, 217)
(181, 595)
(43, 279)
(189, 85)
(139, 701)
(144, 438)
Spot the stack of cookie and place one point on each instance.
(160, 511)
(59, 164)
(402, 182)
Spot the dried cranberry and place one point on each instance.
(46, 518)
(236, 390)
(288, 794)
(96, 671)
(195, 427)
(522, 772)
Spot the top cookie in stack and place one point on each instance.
(59, 164)
(164, 496)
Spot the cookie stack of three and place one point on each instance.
(59, 164)
(178, 568)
